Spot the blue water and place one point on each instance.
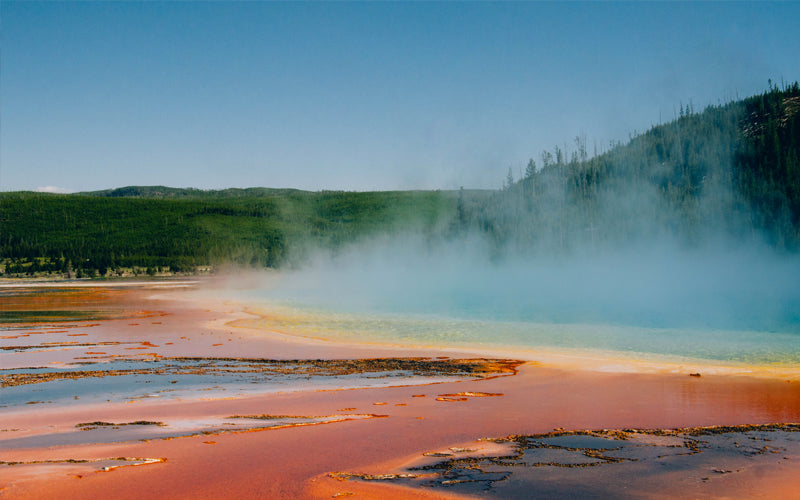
(740, 307)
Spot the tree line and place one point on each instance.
(100, 234)
(729, 173)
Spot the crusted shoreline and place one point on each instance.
(535, 460)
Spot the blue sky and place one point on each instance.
(356, 96)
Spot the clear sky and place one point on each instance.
(356, 96)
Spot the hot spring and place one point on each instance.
(740, 307)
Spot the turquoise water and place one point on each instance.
(739, 307)
(739, 346)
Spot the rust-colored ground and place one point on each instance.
(296, 461)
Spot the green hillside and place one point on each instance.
(151, 228)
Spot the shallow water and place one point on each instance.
(128, 381)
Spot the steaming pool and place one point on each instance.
(669, 344)
(730, 308)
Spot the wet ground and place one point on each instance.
(176, 398)
(61, 354)
(600, 464)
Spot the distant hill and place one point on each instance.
(164, 192)
(730, 173)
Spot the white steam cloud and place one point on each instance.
(749, 288)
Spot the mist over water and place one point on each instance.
(684, 242)
(723, 303)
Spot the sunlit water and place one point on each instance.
(735, 308)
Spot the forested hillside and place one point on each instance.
(182, 230)
(730, 173)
